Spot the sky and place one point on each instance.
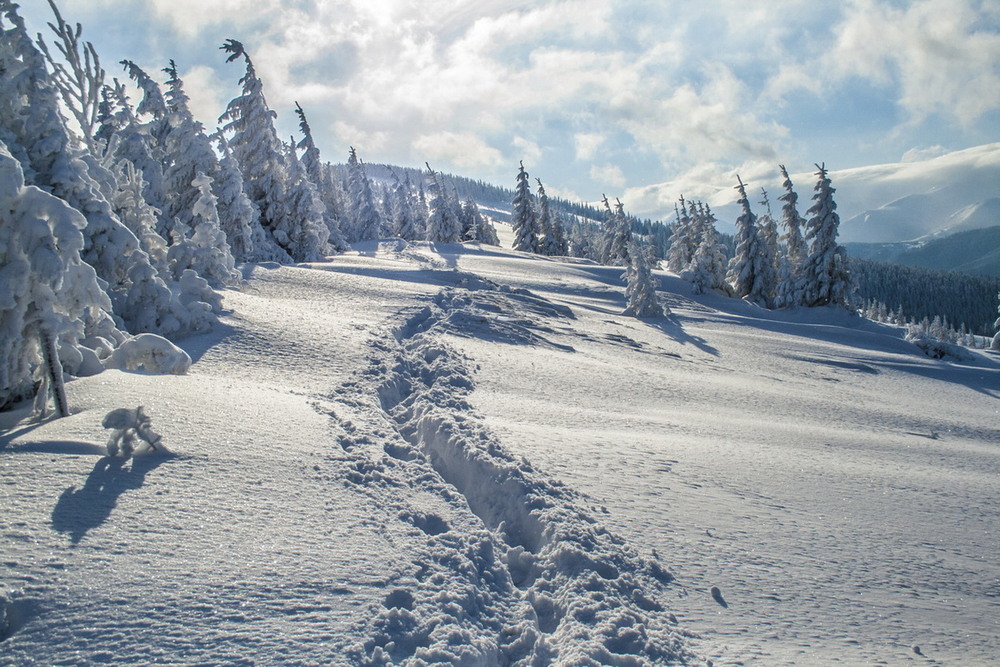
(644, 100)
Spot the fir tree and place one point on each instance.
(707, 268)
(996, 339)
(640, 290)
(523, 218)
(366, 223)
(825, 275)
(317, 176)
(443, 224)
(258, 152)
(683, 240)
(751, 272)
(47, 294)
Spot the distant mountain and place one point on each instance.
(974, 251)
(911, 200)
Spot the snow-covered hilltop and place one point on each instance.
(424, 453)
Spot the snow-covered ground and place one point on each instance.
(437, 453)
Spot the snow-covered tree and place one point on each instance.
(308, 239)
(484, 230)
(553, 242)
(443, 223)
(788, 292)
(825, 275)
(258, 152)
(205, 250)
(48, 295)
(238, 216)
(523, 218)
(135, 213)
(365, 221)
(37, 135)
(640, 289)
(751, 271)
(707, 268)
(683, 239)
(618, 236)
(318, 176)
(405, 222)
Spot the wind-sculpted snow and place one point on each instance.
(539, 581)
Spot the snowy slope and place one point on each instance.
(437, 453)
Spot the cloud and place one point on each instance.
(586, 144)
(941, 56)
(608, 174)
(921, 154)
(528, 151)
(459, 149)
(203, 87)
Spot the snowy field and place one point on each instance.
(464, 455)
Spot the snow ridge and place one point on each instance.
(556, 587)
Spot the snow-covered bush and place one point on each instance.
(934, 347)
(149, 353)
(131, 430)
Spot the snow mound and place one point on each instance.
(150, 353)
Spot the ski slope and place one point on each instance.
(427, 453)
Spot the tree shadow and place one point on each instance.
(80, 510)
(671, 326)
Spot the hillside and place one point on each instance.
(421, 453)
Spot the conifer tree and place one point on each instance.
(683, 239)
(443, 224)
(523, 218)
(30, 118)
(366, 223)
(404, 219)
(825, 274)
(707, 268)
(318, 177)
(640, 290)
(48, 295)
(995, 345)
(751, 273)
(258, 152)
(204, 248)
(309, 236)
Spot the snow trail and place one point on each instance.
(554, 585)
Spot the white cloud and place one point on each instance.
(586, 144)
(935, 52)
(527, 150)
(608, 174)
(459, 149)
(203, 87)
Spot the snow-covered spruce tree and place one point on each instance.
(683, 240)
(553, 241)
(769, 232)
(47, 293)
(825, 276)
(303, 205)
(619, 242)
(135, 213)
(238, 216)
(443, 224)
(30, 120)
(788, 290)
(204, 249)
(751, 272)
(405, 223)
(523, 218)
(318, 177)
(484, 230)
(258, 152)
(467, 219)
(365, 221)
(707, 268)
(640, 287)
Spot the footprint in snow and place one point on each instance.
(717, 596)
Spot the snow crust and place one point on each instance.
(437, 453)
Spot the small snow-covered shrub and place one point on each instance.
(149, 353)
(131, 429)
(935, 348)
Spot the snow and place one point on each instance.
(419, 453)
